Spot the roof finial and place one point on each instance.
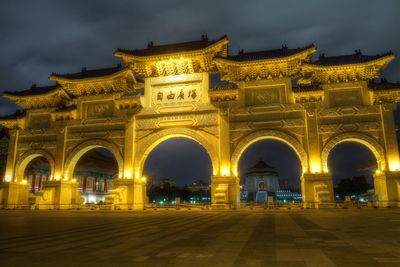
(358, 52)
(284, 47)
(84, 69)
(204, 37)
(241, 51)
(150, 44)
(321, 55)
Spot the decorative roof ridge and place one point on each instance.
(170, 48)
(34, 91)
(279, 53)
(87, 74)
(383, 84)
(348, 59)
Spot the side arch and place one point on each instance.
(79, 150)
(361, 138)
(251, 138)
(30, 155)
(148, 144)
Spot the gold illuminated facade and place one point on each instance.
(164, 92)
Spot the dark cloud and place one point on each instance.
(41, 37)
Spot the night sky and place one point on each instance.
(41, 37)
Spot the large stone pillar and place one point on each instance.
(389, 135)
(12, 156)
(387, 188)
(13, 193)
(317, 190)
(129, 192)
(225, 187)
(62, 191)
(57, 194)
(60, 155)
(129, 150)
(312, 139)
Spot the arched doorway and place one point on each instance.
(95, 171)
(36, 172)
(269, 168)
(352, 165)
(178, 167)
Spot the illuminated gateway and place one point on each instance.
(334, 101)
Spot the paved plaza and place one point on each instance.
(366, 237)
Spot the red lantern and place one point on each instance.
(84, 184)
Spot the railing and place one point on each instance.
(200, 206)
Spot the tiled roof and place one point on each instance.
(152, 49)
(267, 54)
(137, 92)
(34, 90)
(355, 58)
(85, 73)
(224, 85)
(383, 84)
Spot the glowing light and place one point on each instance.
(225, 172)
(378, 172)
(24, 182)
(8, 178)
(128, 174)
(394, 166)
(143, 179)
(57, 177)
(73, 180)
(315, 168)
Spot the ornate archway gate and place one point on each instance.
(164, 91)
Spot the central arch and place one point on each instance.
(361, 138)
(246, 141)
(84, 147)
(147, 145)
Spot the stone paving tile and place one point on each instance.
(367, 237)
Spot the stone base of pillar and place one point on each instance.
(57, 195)
(317, 190)
(13, 195)
(387, 189)
(128, 194)
(225, 192)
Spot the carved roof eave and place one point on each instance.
(311, 72)
(113, 76)
(319, 92)
(304, 55)
(131, 103)
(225, 95)
(50, 99)
(211, 49)
(14, 123)
(381, 62)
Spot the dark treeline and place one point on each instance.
(353, 186)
